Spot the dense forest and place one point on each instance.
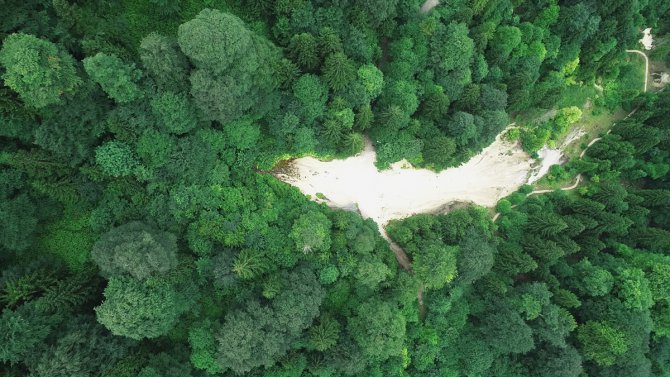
(140, 234)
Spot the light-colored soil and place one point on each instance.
(356, 184)
(399, 192)
(647, 39)
(548, 157)
(428, 5)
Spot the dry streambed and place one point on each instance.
(401, 191)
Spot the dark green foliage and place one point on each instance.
(235, 66)
(22, 331)
(259, 335)
(82, 348)
(17, 223)
(163, 60)
(115, 159)
(338, 71)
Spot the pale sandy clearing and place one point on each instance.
(572, 136)
(548, 157)
(399, 192)
(647, 40)
(428, 5)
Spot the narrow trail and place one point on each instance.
(578, 179)
(646, 66)
(401, 255)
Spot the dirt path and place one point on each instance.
(400, 254)
(578, 179)
(646, 66)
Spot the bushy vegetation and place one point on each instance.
(138, 238)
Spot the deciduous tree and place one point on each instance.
(38, 70)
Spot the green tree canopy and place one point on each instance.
(311, 232)
(116, 159)
(379, 328)
(435, 264)
(136, 249)
(175, 112)
(136, 310)
(601, 342)
(37, 70)
(117, 79)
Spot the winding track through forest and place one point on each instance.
(401, 255)
(578, 179)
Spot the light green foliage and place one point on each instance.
(328, 275)
(37, 70)
(601, 342)
(71, 239)
(378, 328)
(217, 41)
(435, 264)
(453, 47)
(354, 143)
(592, 280)
(243, 133)
(324, 335)
(633, 289)
(135, 249)
(117, 79)
(154, 148)
(136, 310)
(659, 282)
(566, 117)
(311, 232)
(116, 159)
(203, 348)
(506, 38)
(371, 272)
(372, 79)
(174, 112)
(532, 298)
